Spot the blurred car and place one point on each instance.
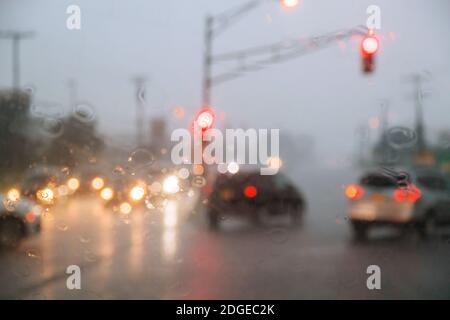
(249, 193)
(18, 218)
(127, 192)
(40, 184)
(417, 197)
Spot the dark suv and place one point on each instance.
(249, 193)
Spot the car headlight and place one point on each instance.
(13, 195)
(45, 195)
(125, 208)
(171, 184)
(107, 194)
(73, 184)
(137, 193)
(97, 183)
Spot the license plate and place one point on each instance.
(377, 197)
(227, 194)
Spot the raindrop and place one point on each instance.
(118, 170)
(222, 168)
(149, 204)
(52, 127)
(84, 239)
(62, 227)
(89, 256)
(183, 173)
(155, 187)
(9, 205)
(48, 216)
(141, 158)
(33, 254)
(278, 235)
(84, 112)
(29, 89)
(125, 217)
(198, 181)
(401, 137)
(141, 95)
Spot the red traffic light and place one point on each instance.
(289, 3)
(369, 45)
(205, 119)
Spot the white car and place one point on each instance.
(417, 197)
(18, 219)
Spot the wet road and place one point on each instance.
(171, 254)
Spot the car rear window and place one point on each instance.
(378, 181)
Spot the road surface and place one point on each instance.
(171, 254)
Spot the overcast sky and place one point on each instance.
(323, 94)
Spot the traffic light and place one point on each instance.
(205, 119)
(369, 47)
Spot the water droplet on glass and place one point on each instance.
(10, 205)
(198, 181)
(278, 235)
(141, 158)
(52, 127)
(84, 239)
(183, 173)
(33, 254)
(65, 170)
(401, 137)
(155, 187)
(29, 89)
(149, 204)
(84, 112)
(62, 227)
(48, 215)
(89, 256)
(118, 170)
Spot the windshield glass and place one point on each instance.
(227, 149)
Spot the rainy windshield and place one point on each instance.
(238, 149)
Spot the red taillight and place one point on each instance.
(354, 192)
(410, 194)
(29, 217)
(250, 191)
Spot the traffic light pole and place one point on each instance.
(258, 57)
(207, 61)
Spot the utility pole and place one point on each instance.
(384, 125)
(16, 37)
(139, 82)
(419, 95)
(73, 92)
(207, 57)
